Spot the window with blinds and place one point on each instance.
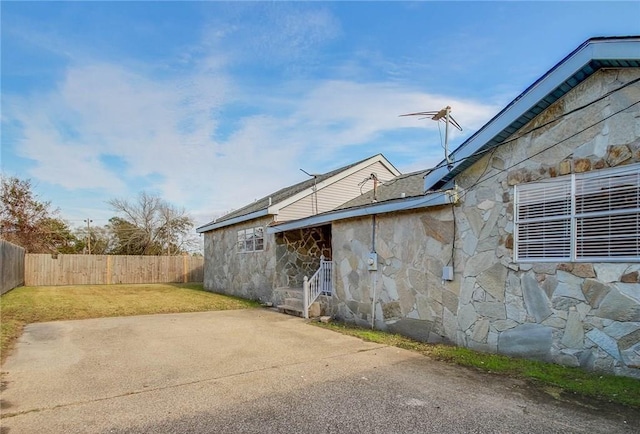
(581, 217)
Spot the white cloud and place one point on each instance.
(103, 109)
(59, 160)
(338, 114)
(164, 125)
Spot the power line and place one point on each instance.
(484, 151)
(500, 171)
(550, 146)
(467, 189)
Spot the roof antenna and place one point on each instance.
(375, 179)
(315, 190)
(443, 115)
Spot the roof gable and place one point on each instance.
(272, 203)
(584, 61)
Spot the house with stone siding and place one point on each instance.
(244, 259)
(526, 244)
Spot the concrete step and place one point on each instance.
(295, 302)
(290, 292)
(290, 310)
(296, 309)
(282, 293)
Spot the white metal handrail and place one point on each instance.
(320, 283)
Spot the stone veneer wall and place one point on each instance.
(298, 254)
(412, 248)
(247, 275)
(578, 314)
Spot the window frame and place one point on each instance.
(583, 215)
(249, 237)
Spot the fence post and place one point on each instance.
(108, 269)
(305, 297)
(184, 269)
(321, 274)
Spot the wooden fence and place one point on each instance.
(46, 269)
(11, 266)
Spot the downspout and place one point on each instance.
(373, 270)
(448, 271)
(373, 234)
(372, 260)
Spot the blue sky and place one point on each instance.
(212, 104)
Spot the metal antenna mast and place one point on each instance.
(315, 189)
(445, 116)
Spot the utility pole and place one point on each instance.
(88, 222)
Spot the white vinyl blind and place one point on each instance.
(582, 217)
(608, 214)
(543, 220)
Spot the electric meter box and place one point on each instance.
(372, 261)
(447, 273)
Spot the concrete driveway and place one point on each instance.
(257, 371)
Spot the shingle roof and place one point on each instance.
(283, 194)
(366, 208)
(411, 184)
(594, 54)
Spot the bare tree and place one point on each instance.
(150, 226)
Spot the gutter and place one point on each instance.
(426, 201)
(233, 221)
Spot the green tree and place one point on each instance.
(59, 237)
(102, 240)
(31, 223)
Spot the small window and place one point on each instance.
(593, 216)
(250, 240)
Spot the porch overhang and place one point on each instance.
(426, 201)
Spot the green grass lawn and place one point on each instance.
(26, 305)
(555, 379)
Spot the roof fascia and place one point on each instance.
(426, 201)
(604, 49)
(276, 207)
(233, 221)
